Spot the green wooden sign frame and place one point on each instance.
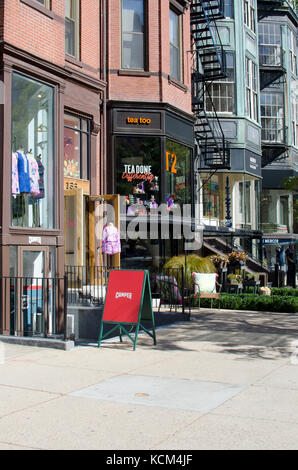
(145, 314)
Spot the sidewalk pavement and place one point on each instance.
(224, 380)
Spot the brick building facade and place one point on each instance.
(52, 141)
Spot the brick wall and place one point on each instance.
(29, 29)
(156, 87)
(1, 18)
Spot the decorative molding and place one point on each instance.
(37, 6)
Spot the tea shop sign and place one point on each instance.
(137, 172)
(138, 120)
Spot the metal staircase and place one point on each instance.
(209, 65)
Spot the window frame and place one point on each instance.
(179, 16)
(45, 3)
(251, 89)
(81, 132)
(77, 30)
(250, 17)
(145, 67)
(274, 122)
(223, 83)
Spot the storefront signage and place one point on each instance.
(171, 161)
(128, 302)
(137, 121)
(137, 172)
(73, 183)
(140, 120)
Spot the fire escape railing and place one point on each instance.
(209, 65)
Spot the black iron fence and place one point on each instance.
(32, 306)
(87, 286)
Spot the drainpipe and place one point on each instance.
(104, 104)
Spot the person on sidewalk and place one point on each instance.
(291, 261)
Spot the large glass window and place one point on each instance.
(138, 172)
(72, 27)
(178, 174)
(272, 116)
(211, 198)
(251, 89)
(270, 51)
(293, 51)
(222, 92)
(250, 14)
(175, 45)
(32, 202)
(133, 29)
(76, 147)
(229, 8)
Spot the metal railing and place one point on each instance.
(32, 306)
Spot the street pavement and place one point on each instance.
(224, 380)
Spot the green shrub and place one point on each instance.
(194, 264)
(261, 303)
(288, 291)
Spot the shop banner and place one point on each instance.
(128, 303)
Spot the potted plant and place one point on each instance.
(235, 279)
(252, 278)
(220, 261)
(237, 257)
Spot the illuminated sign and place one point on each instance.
(171, 161)
(137, 172)
(139, 120)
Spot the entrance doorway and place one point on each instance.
(32, 291)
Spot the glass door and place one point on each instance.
(74, 223)
(34, 289)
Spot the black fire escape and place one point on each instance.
(271, 67)
(209, 65)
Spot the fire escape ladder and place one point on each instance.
(203, 21)
(209, 65)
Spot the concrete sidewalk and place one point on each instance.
(224, 380)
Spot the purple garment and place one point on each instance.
(15, 187)
(110, 240)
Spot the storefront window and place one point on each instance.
(76, 147)
(32, 184)
(178, 174)
(210, 199)
(138, 172)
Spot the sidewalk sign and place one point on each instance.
(128, 302)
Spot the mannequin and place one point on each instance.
(110, 241)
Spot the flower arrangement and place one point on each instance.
(219, 260)
(237, 256)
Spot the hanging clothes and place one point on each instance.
(33, 174)
(15, 186)
(23, 171)
(41, 193)
(110, 240)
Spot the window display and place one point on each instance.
(178, 175)
(138, 173)
(32, 154)
(76, 147)
(210, 198)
